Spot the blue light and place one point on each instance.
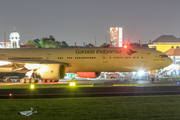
(36, 40)
(177, 82)
(15, 80)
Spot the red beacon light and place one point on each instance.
(125, 46)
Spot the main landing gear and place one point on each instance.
(47, 80)
(31, 80)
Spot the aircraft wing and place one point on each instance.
(33, 62)
(26, 65)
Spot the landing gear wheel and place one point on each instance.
(23, 80)
(36, 81)
(32, 80)
(27, 81)
(56, 80)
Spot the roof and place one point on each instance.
(14, 34)
(173, 52)
(166, 38)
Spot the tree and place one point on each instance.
(64, 44)
(51, 38)
(103, 45)
(89, 45)
(31, 42)
(47, 43)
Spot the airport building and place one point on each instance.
(165, 42)
(116, 36)
(14, 39)
(170, 45)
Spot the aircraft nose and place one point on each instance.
(169, 61)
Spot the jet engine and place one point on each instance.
(89, 74)
(52, 71)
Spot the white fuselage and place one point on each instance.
(91, 59)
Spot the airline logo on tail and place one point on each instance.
(130, 52)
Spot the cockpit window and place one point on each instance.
(162, 56)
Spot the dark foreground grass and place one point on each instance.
(17, 86)
(93, 108)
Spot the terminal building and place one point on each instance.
(170, 45)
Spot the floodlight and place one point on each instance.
(141, 72)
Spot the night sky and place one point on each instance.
(81, 20)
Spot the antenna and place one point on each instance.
(95, 41)
(14, 29)
(106, 40)
(141, 41)
(5, 40)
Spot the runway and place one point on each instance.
(88, 92)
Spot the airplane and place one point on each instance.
(53, 63)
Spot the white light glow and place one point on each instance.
(19, 69)
(29, 74)
(4, 63)
(140, 73)
(43, 69)
(32, 86)
(32, 66)
(38, 71)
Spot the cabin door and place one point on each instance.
(143, 57)
(105, 58)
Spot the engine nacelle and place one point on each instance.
(52, 71)
(89, 74)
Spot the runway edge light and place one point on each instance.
(72, 84)
(32, 86)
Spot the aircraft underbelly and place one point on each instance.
(5, 69)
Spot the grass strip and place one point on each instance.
(94, 108)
